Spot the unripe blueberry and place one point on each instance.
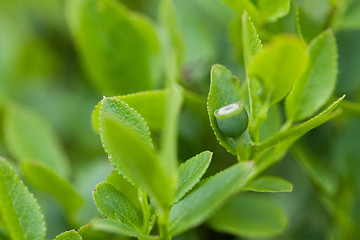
(232, 119)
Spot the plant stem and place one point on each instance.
(145, 210)
(164, 227)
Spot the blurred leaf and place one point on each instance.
(272, 123)
(18, 207)
(279, 66)
(250, 216)
(114, 205)
(69, 235)
(173, 38)
(269, 184)
(4, 234)
(351, 18)
(111, 226)
(131, 155)
(191, 172)
(28, 137)
(272, 10)
(312, 17)
(169, 137)
(119, 61)
(209, 195)
(315, 87)
(224, 90)
(125, 187)
(300, 129)
(350, 108)
(47, 180)
(318, 173)
(150, 105)
(239, 6)
(349, 59)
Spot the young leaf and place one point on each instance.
(114, 205)
(125, 187)
(279, 66)
(69, 235)
(111, 226)
(315, 87)
(272, 10)
(95, 26)
(30, 137)
(251, 47)
(45, 179)
(269, 184)
(190, 173)
(150, 105)
(120, 111)
(251, 41)
(299, 129)
(18, 207)
(224, 90)
(131, 155)
(209, 195)
(128, 116)
(250, 216)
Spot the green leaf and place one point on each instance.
(351, 18)
(239, 6)
(127, 116)
(250, 216)
(269, 184)
(251, 42)
(279, 66)
(46, 180)
(208, 196)
(28, 137)
(315, 87)
(224, 90)
(121, 111)
(272, 124)
(114, 205)
(18, 207)
(130, 154)
(191, 172)
(95, 26)
(272, 10)
(125, 187)
(150, 105)
(69, 235)
(251, 47)
(111, 226)
(299, 129)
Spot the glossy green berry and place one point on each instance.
(232, 119)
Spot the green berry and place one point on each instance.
(232, 119)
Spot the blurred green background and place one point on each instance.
(41, 71)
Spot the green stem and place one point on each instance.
(145, 210)
(164, 226)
